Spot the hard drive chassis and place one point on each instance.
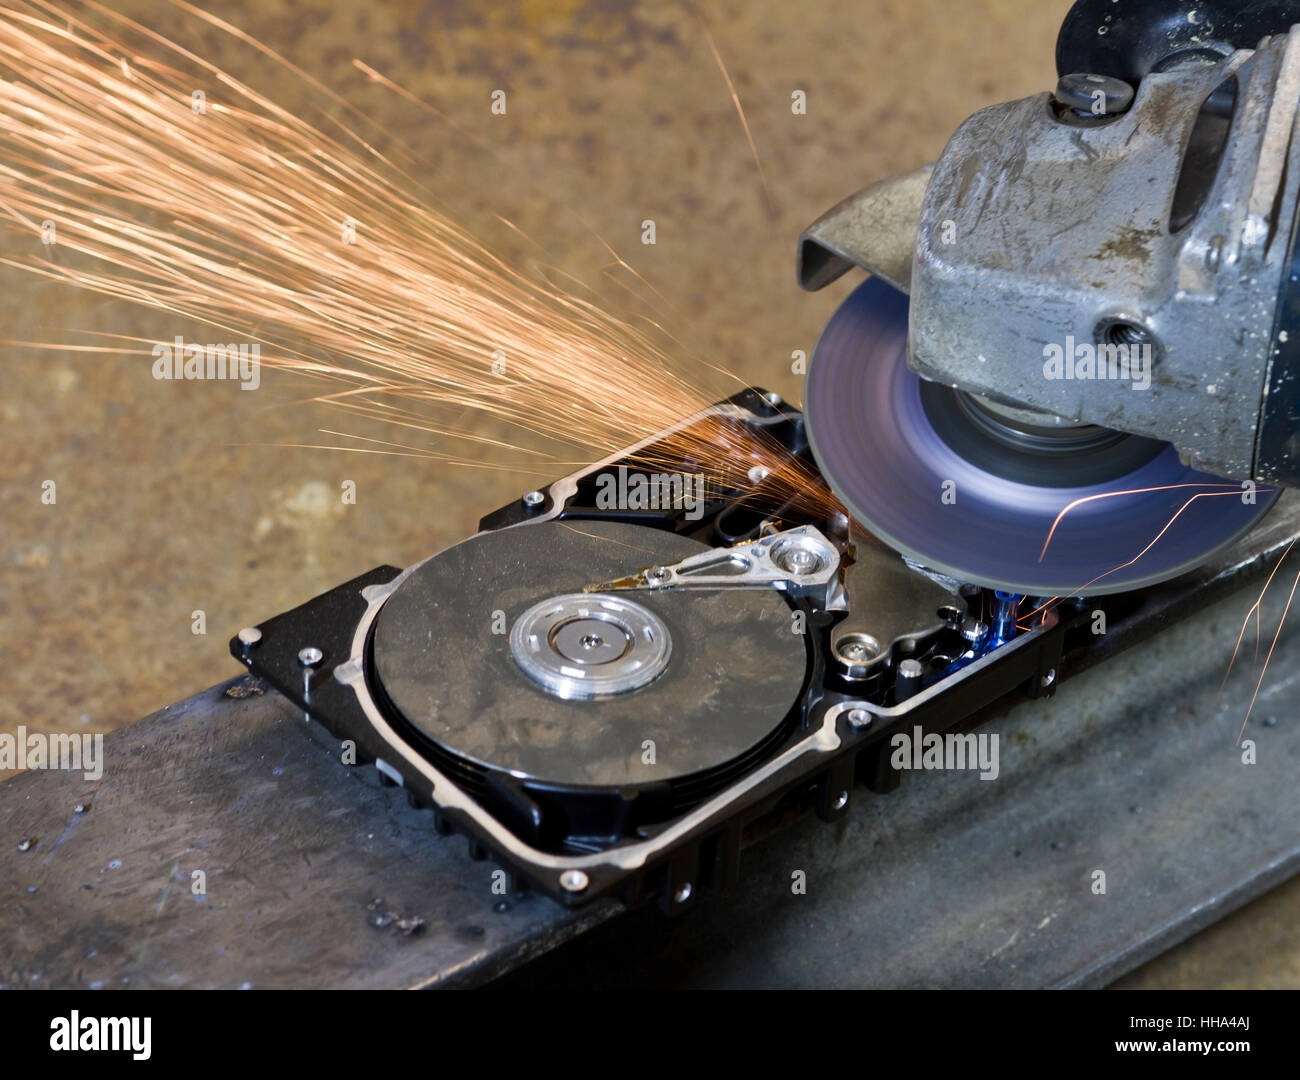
(839, 740)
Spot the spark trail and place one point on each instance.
(249, 219)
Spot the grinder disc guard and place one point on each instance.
(879, 448)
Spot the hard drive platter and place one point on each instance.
(482, 652)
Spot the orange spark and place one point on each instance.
(1113, 494)
(1255, 611)
(1264, 670)
(251, 221)
(1167, 526)
(740, 111)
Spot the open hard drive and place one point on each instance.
(1091, 390)
(602, 700)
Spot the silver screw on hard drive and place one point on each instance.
(308, 657)
(249, 636)
(854, 654)
(799, 562)
(574, 881)
(907, 681)
(534, 499)
(859, 718)
(856, 650)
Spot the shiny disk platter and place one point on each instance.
(608, 708)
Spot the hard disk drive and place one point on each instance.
(617, 701)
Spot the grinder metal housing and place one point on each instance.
(1152, 201)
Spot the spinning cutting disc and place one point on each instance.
(915, 464)
(494, 655)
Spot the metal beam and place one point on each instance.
(318, 877)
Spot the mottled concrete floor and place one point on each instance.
(173, 498)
